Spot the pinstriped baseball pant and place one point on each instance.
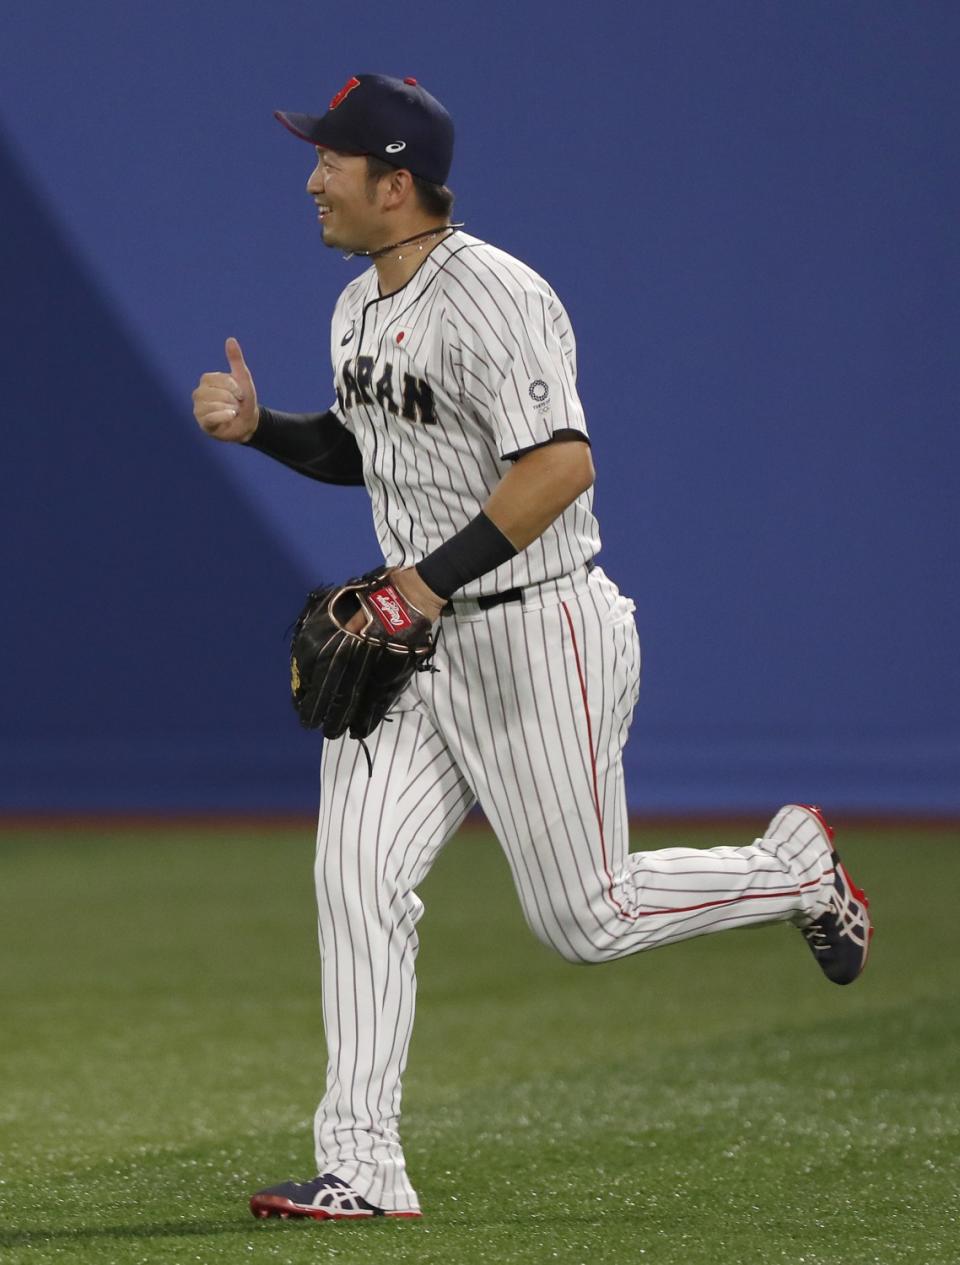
(527, 715)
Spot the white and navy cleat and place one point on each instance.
(839, 937)
(325, 1198)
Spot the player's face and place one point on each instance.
(349, 217)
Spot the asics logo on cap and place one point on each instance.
(395, 147)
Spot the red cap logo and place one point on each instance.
(347, 88)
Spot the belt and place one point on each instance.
(484, 603)
(498, 599)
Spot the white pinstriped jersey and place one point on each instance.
(472, 361)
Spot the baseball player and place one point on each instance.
(456, 407)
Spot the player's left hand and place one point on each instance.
(345, 679)
(413, 590)
(418, 593)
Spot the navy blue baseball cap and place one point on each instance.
(393, 119)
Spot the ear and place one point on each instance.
(397, 189)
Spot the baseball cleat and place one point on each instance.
(325, 1198)
(839, 938)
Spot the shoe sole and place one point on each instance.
(858, 893)
(263, 1206)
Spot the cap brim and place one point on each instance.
(316, 131)
(302, 125)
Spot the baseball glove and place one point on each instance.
(347, 681)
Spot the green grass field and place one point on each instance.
(716, 1101)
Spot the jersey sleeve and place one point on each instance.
(522, 375)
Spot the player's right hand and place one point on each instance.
(225, 404)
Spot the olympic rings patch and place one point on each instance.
(539, 391)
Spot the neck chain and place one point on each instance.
(417, 237)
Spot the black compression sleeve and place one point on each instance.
(472, 552)
(314, 444)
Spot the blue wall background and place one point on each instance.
(749, 209)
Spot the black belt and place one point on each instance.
(494, 599)
(498, 599)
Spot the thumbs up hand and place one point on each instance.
(225, 404)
